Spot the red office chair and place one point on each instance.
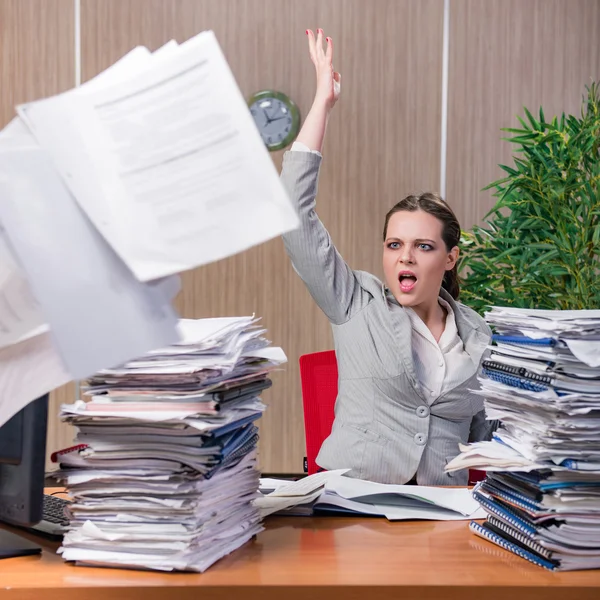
(319, 378)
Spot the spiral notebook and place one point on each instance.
(495, 538)
(509, 515)
(504, 494)
(536, 382)
(524, 340)
(513, 380)
(516, 537)
(520, 372)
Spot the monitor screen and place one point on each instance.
(22, 470)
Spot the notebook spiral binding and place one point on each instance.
(527, 541)
(519, 500)
(514, 381)
(517, 371)
(523, 340)
(504, 514)
(499, 541)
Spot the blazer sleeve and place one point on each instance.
(330, 281)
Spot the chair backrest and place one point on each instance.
(319, 377)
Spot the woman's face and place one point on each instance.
(415, 257)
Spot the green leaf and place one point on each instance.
(509, 170)
(524, 139)
(513, 130)
(523, 124)
(534, 123)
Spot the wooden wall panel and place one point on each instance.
(37, 60)
(383, 142)
(504, 55)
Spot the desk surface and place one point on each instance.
(318, 558)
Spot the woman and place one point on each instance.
(407, 351)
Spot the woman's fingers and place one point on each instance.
(312, 46)
(329, 52)
(320, 52)
(315, 47)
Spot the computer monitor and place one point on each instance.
(22, 470)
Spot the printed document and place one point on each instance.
(168, 165)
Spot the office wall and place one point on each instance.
(504, 55)
(384, 138)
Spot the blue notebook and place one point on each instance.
(514, 381)
(523, 340)
(495, 490)
(495, 525)
(505, 514)
(497, 539)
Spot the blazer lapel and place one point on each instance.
(402, 330)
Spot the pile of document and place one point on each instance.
(164, 473)
(541, 380)
(329, 492)
(109, 191)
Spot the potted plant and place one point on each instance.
(539, 246)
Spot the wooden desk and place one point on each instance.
(318, 558)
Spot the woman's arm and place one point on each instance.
(327, 94)
(329, 279)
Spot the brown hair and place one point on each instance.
(434, 205)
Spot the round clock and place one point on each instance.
(277, 118)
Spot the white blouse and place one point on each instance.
(438, 364)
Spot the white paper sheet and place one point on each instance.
(587, 351)
(397, 513)
(88, 296)
(20, 314)
(28, 370)
(307, 485)
(456, 499)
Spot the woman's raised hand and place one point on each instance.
(328, 81)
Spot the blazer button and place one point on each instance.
(423, 411)
(420, 439)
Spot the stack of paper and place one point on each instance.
(169, 472)
(111, 189)
(541, 380)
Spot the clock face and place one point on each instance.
(276, 117)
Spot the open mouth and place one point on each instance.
(407, 281)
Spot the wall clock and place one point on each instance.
(276, 116)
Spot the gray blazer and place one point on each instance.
(385, 429)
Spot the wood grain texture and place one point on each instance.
(319, 558)
(383, 143)
(37, 60)
(505, 55)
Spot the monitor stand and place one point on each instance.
(12, 545)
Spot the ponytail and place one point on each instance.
(450, 282)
